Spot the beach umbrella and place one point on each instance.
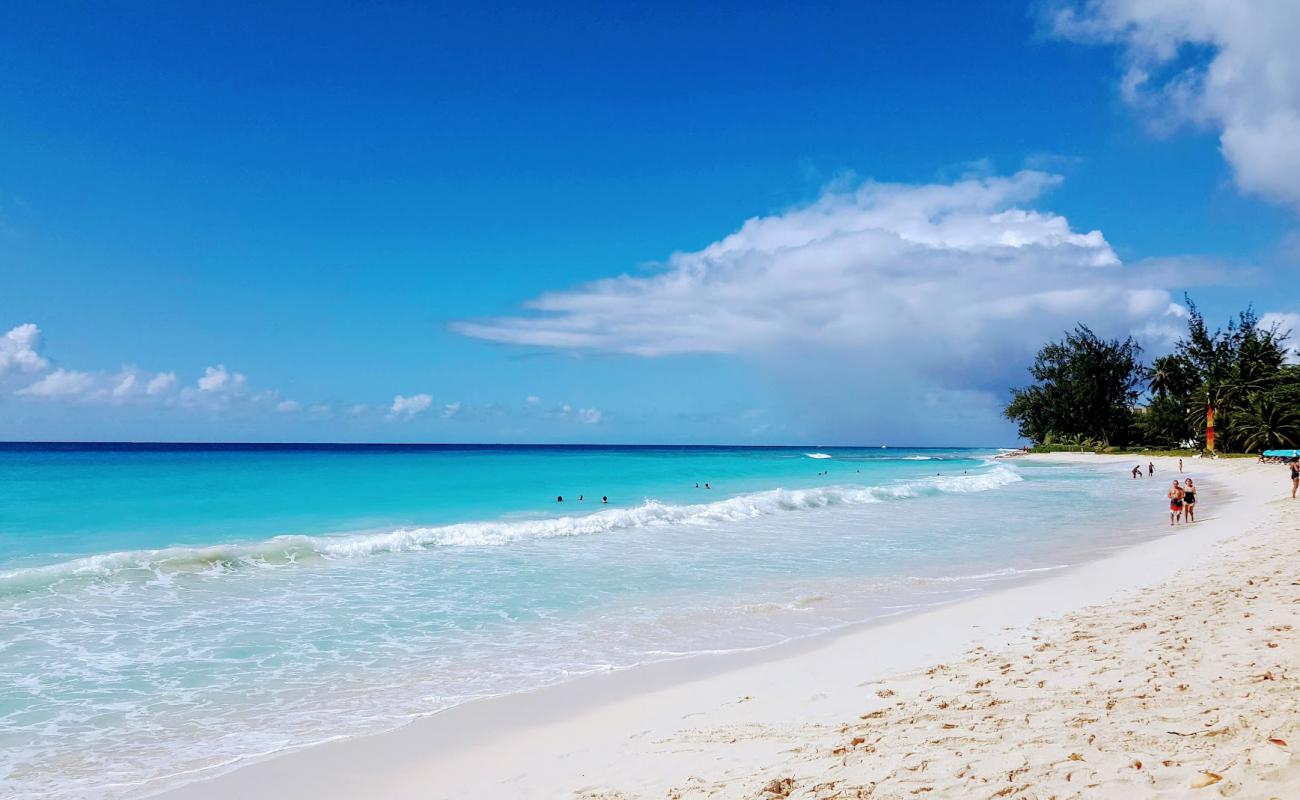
(1209, 427)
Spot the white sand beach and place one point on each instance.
(1168, 669)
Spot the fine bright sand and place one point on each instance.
(1169, 669)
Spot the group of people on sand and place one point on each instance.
(1182, 500)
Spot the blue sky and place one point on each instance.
(334, 205)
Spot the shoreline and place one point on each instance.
(511, 744)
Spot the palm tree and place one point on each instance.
(1080, 441)
(1265, 425)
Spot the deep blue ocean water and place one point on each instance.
(171, 609)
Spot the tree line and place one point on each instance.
(1093, 391)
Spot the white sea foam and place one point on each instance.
(995, 575)
(819, 455)
(283, 551)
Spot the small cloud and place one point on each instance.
(219, 379)
(532, 400)
(357, 409)
(589, 416)
(61, 383)
(126, 383)
(161, 383)
(407, 407)
(18, 350)
(288, 406)
(450, 410)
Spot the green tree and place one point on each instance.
(1262, 425)
(1231, 367)
(1084, 386)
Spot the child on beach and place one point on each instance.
(1175, 504)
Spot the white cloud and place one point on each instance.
(450, 410)
(407, 407)
(589, 416)
(1247, 88)
(126, 384)
(220, 379)
(160, 384)
(61, 383)
(129, 384)
(532, 400)
(957, 283)
(218, 389)
(1285, 321)
(18, 350)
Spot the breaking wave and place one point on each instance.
(282, 551)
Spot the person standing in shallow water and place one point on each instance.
(1175, 504)
(1151, 468)
(1189, 500)
(1137, 472)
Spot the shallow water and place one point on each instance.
(172, 610)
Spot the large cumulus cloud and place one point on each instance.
(953, 284)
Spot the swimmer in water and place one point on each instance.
(559, 498)
(604, 499)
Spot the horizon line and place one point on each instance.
(179, 443)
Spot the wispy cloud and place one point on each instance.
(60, 383)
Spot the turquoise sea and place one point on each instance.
(168, 610)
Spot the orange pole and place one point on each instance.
(1209, 427)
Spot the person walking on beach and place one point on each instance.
(1175, 504)
(1295, 476)
(1180, 466)
(1189, 500)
